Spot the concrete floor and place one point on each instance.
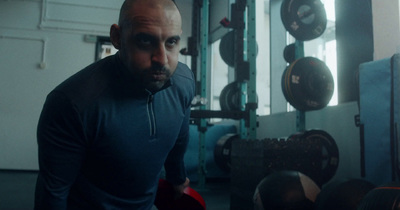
(17, 191)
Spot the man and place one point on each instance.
(105, 133)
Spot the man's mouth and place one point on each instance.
(158, 75)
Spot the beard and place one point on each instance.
(152, 78)
(155, 78)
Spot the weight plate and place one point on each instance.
(222, 151)
(286, 85)
(286, 80)
(283, 84)
(295, 137)
(226, 48)
(289, 53)
(330, 151)
(304, 19)
(165, 200)
(309, 84)
(230, 98)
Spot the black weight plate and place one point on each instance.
(318, 85)
(283, 83)
(291, 78)
(295, 137)
(286, 85)
(226, 48)
(230, 98)
(287, 80)
(304, 19)
(294, 86)
(330, 151)
(310, 84)
(222, 151)
(289, 53)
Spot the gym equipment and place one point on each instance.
(289, 53)
(304, 19)
(327, 158)
(384, 197)
(189, 200)
(343, 194)
(227, 48)
(213, 133)
(379, 119)
(311, 152)
(307, 84)
(230, 97)
(222, 151)
(244, 65)
(286, 190)
(330, 152)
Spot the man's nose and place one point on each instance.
(160, 55)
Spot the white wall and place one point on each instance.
(51, 33)
(386, 23)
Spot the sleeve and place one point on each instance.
(174, 166)
(61, 147)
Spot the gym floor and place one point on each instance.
(17, 191)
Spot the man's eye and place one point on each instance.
(143, 41)
(172, 42)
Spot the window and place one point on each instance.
(324, 47)
(104, 48)
(219, 75)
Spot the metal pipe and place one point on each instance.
(42, 64)
(75, 22)
(24, 0)
(44, 18)
(74, 30)
(43, 15)
(82, 5)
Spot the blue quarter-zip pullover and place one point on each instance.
(103, 140)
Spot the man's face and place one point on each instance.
(149, 43)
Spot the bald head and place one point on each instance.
(148, 37)
(129, 5)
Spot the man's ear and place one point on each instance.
(115, 36)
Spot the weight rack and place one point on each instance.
(245, 68)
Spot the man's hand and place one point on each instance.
(179, 189)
